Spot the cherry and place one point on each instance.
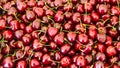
(115, 10)
(108, 41)
(46, 59)
(113, 32)
(68, 25)
(81, 61)
(12, 11)
(38, 55)
(7, 62)
(2, 24)
(80, 28)
(88, 7)
(111, 51)
(105, 16)
(95, 16)
(58, 3)
(37, 45)
(114, 59)
(35, 34)
(8, 35)
(39, 11)
(49, 12)
(30, 15)
(68, 7)
(83, 38)
(59, 38)
(71, 36)
(21, 6)
(59, 16)
(19, 44)
(14, 25)
(36, 24)
(79, 8)
(118, 46)
(65, 48)
(57, 56)
(76, 17)
(101, 38)
(21, 64)
(65, 61)
(52, 31)
(99, 64)
(40, 3)
(19, 33)
(22, 26)
(29, 29)
(88, 58)
(44, 39)
(100, 56)
(73, 66)
(26, 38)
(34, 63)
(86, 19)
(102, 9)
(31, 3)
(114, 20)
(101, 47)
(68, 15)
(53, 45)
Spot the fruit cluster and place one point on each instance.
(59, 33)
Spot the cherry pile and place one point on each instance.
(59, 33)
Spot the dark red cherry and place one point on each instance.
(81, 61)
(101, 47)
(22, 26)
(40, 3)
(37, 45)
(19, 33)
(71, 36)
(101, 37)
(59, 16)
(2, 24)
(30, 15)
(68, 15)
(34, 63)
(59, 38)
(36, 24)
(115, 10)
(65, 61)
(35, 34)
(49, 12)
(57, 56)
(21, 64)
(73, 66)
(64, 49)
(83, 38)
(114, 20)
(8, 35)
(39, 11)
(68, 25)
(7, 62)
(95, 16)
(53, 45)
(14, 25)
(80, 28)
(86, 19)
(100, 56)
(113, 32)
(38, 55)
(76, 17)
(79, 8)
(89, 59)
(98, 64)
(52, 31)
(46, 59)
(108, 41)
(88, 7)
(102, 9)
(12, 11)
(111, 51)
(26, 38)
(31, 3)
(118, 46)
(21, 6)
(29, 29)
(68, 7)
(105, 16)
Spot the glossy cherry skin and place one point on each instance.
(86, 19)
(7, 62)
(26, 38)
(53, 45)
(2, 24)
(115, 10)
(8, 35)
(46, 59)
(68, 25)
(114, 20)
(76, 17)
(21, 64)
(28, 29)
(21, 6)
(105, 16)
(40, 3)
(95, 16)
(100, 56)
(22, 26)
(108, 41)
(111, 51)
(73, 66)
(88, 7)
(89, 58)
(52, 31)
(79, 8)
(30, 15)
(83, 38)
(113, 33)
(31, 3)
(49, 12)
(35, 35)
(39, 11)
(65, 61)
(98, 64)
(101, 47)
(34, 63)
(59, 16)
(101, 38)
(38, 55)
(102, 9)
(14, 25)
(19, 44)
(12, 11)
(118, 46)
(37, 45)
(59, 38)
(19, 33)
(71, 36)
(80, 27)
(81, 61)
(57, 56)
(65, 48)
(36, 24)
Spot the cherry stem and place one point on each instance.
(17, 18)
(52, 21)
(67, 41)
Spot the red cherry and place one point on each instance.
(101, 47)
(59, 16)
(8, 35)
(102, 9)
(36, 24)
(65, 48)
(59, 38)
(2, 24)
(99, 64)
(26, 38)
(21, 6)
(7, 62)
(111, 51)
(21, 64)
(71, 36)
(46, 59)
(30, 15)
(86, 19)
(65, 61)
(81, 61)
(83, 38)
(52, 31)
(39, 11)
(37, 45)
(34, 63)
(14, 25)
(19, 33)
